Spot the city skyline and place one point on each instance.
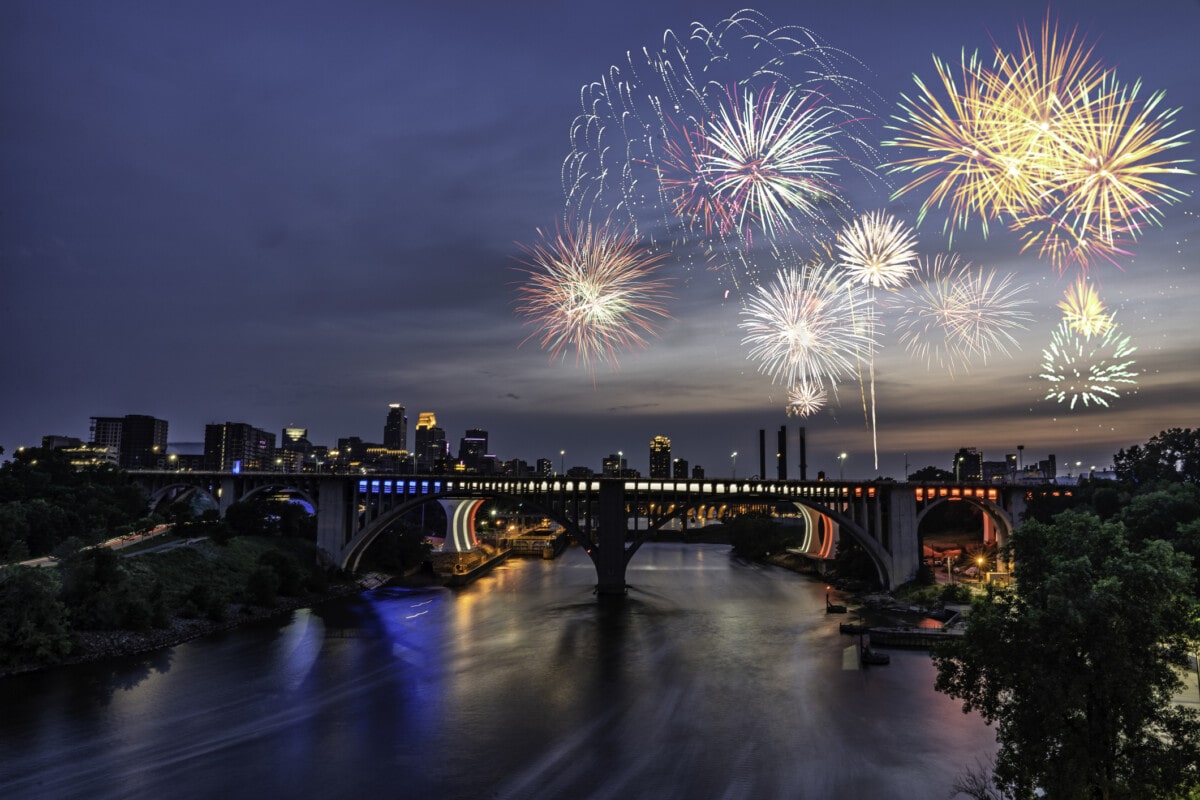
(300, 214)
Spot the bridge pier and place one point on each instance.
(609, 555)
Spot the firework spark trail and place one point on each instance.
(960, 315)
(807, 326)
(592, 288)
(879, 251)
(1086, 369)
(1083, 311)
(1047, 140)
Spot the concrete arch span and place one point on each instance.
(177, 491)
(997, 522)
(460, 511)
(819, 518)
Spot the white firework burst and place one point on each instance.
(809, 325)
(878, 250)
(805, 399)
(960, 315)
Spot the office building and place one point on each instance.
(429, 443)
(660, 457)
(140, 440)
(967, 464)
(679, 469)
(471, 450)
(395, 429)
(238, 447)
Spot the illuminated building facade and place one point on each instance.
(660, 457)
(237, 447)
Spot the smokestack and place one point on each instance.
(781, 456)
(803, 456)
(762, 453)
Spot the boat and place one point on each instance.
(459, 569)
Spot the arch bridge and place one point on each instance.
(612, 517)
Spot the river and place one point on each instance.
(713, 678)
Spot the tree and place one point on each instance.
(931, 474)
(1076, 665)
(34, 627)
(1172, 455)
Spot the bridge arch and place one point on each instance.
(363, 539)
(825, 515)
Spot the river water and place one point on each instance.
(712, 679)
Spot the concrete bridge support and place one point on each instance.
(460, 523)
(609, 554)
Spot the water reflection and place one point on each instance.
(711, 678)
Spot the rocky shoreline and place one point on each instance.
(93, 646)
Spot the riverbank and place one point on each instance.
(90, 646)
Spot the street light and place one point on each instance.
(958, 469)
(842, 467)
(562, 461)
(733, 463)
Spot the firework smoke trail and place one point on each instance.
(1087, 369)
(640, 142)
(959, 314)
(1083, 311)
(807, 326)
(1048, 140)
(592, 289)
(877, 250)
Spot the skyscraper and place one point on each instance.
(395, 430)
(141, 440)
(236, 446)
(660, 457)
(472, 448)
(429, 442)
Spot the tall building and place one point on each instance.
(679, 469)
(660, 457)
(472, 448)
(545, 468)
(429, 443)
(967, 464)
(141, 440)
(613, 466)
(236, 446)
(395, 429)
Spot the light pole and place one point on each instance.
(842, 467)
(958, 469)
(733, 463)
(562, 462)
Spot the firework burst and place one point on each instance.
(1083, 312)
(1093, 370)
(808, 326)
(878, 250)
(1047, 140)
(805, 399)
(736, 129)
(960, 315)
(769, 156)
(592, 289)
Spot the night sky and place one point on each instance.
(297, 213)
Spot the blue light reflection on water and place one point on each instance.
(712, 678)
